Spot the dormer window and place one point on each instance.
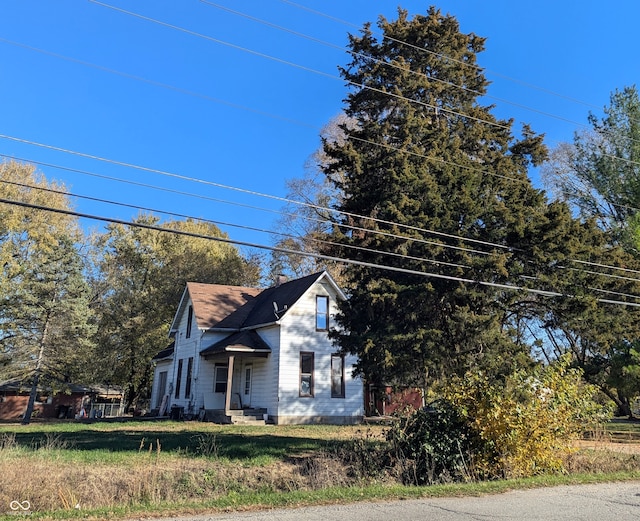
(322, 313)
(189, 321)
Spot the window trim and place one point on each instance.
(341, 394)
(187, 387)
(179, 378)
(324, 315)
(310, 375)
(248, 382)
(163, 378)
(215, 378)
(189, 322)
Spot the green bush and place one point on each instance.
(433, 445)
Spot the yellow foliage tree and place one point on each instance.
(529, 422)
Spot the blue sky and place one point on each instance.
(231, 101)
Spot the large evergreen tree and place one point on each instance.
(430, 173)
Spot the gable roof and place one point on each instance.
(224, 307)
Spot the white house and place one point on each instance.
(249, 353)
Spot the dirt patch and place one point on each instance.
(625, 448)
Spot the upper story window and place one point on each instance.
(322, 313)
(189, 321)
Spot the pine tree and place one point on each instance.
(45, 320)
(426, 165)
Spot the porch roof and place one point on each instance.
(243, 342)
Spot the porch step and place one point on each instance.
(248, 416)
(237, 417)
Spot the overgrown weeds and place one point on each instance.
(206, 445)
(153, 472)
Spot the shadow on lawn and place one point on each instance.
(188, 442)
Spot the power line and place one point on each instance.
(436, 108)
(393, 65)
(281, 199)
(302, 67)
(364, 217)
(428, 51)
(319, 241)
(253, 192)
(507, 287)
(298, 122)
(232, 225)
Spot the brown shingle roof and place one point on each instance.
(234, 307)
(216, 305)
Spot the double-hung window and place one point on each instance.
(306, 374)
(220, 382)
(322, 313)
(187, 389)
(179, 378)
(337, 376)
(189, 322)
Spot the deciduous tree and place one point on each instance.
(45, 321)
(143, 273)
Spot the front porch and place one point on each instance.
(237, 363)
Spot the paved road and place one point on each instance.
(603, 502)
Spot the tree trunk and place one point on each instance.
(26, 418)
(624, 407)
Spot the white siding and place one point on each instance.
(269, 377)
(298, 334)
(276, 379)
(206, 372)
(185, 348)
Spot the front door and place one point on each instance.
(248, 383)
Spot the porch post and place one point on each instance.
(227, 403)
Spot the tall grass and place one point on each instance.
(71, 469)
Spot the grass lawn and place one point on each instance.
(114, 470)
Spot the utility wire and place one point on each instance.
(295, 237)
(301, 67)
(317, 207)
(436, 108)
(287, 119)
(232, 225)
(394, 65)
(369, 231)
(355, 228)
(160, 84)
(318, 241)
(443, 56)
(255, 193)
(412, 72)
(507, 287)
